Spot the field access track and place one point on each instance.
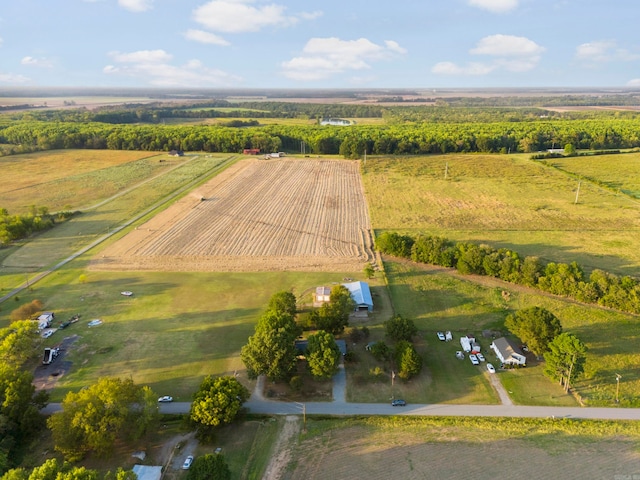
(258, 215)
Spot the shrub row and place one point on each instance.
(567, 280)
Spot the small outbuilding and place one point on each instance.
(321, 295)
(45, 320)
(145, 472)
(361, 295)
(508, 352)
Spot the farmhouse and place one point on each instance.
(176, 153)
(361, 296)
(251, 151)
(322, 295)
(508, 352)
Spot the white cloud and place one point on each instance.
(471, 69)
(136, 5)
(634, 83)
(235, 16)
(506, 46)
(311, 15)
(604, 51)
(495, 6)
(511, 53)
(205, 37)
(324, 57)
(37, 62)
(13, 79)
(142, 56)
(153, 67)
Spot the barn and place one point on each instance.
(361, 295)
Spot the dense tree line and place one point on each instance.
(568, 280)
(52, 469)
(395, 138)
(16, 227)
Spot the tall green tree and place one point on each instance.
(271, 350)
(565, 359)
(323, 355)
(283, 302)
(93, 419)
(408, 362)
(535, 326)
(400, 328)
(217, 402)
(209, 467)
(333, 317)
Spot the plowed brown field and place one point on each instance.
(296, 215)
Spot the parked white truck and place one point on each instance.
(50, 355)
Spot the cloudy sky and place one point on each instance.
(320, 44)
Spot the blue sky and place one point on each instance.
(320, 44)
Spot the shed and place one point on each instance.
(508, 352)
(145, 472)
(322, 295)
(361, 295)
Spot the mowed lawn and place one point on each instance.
(508, 201)
(73, 179)
(176, 328)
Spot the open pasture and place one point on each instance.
(417, 448)
(257, 216)
(506, 201)
(439, 299)
(616, 172)
(73, 178)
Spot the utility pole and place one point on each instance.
(446, 170)
(578, 191)
(618, 377)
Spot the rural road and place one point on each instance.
(340, 407)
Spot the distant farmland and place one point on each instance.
(295, 215)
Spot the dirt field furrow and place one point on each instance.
(257, 216)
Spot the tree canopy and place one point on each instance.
(408, 362)
(217, 402)
(93, 419)
(333, 317)
(209, 467)
(565, 359)
(535, 326)
(283, 302)
(271, 350)
(323, 355)
(400, 328)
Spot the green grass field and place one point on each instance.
(74, 179)
(66, 238)
(507, 201)
(438, 299)
(174, 331)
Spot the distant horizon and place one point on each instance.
(284, 44)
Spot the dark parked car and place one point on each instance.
(398, 403)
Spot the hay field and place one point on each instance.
(295, 215)
(508, 201)
(74, 178)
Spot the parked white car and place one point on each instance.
(480, 357)
(441, 336)
(187, 463)
(474, 359)
(491, 368)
